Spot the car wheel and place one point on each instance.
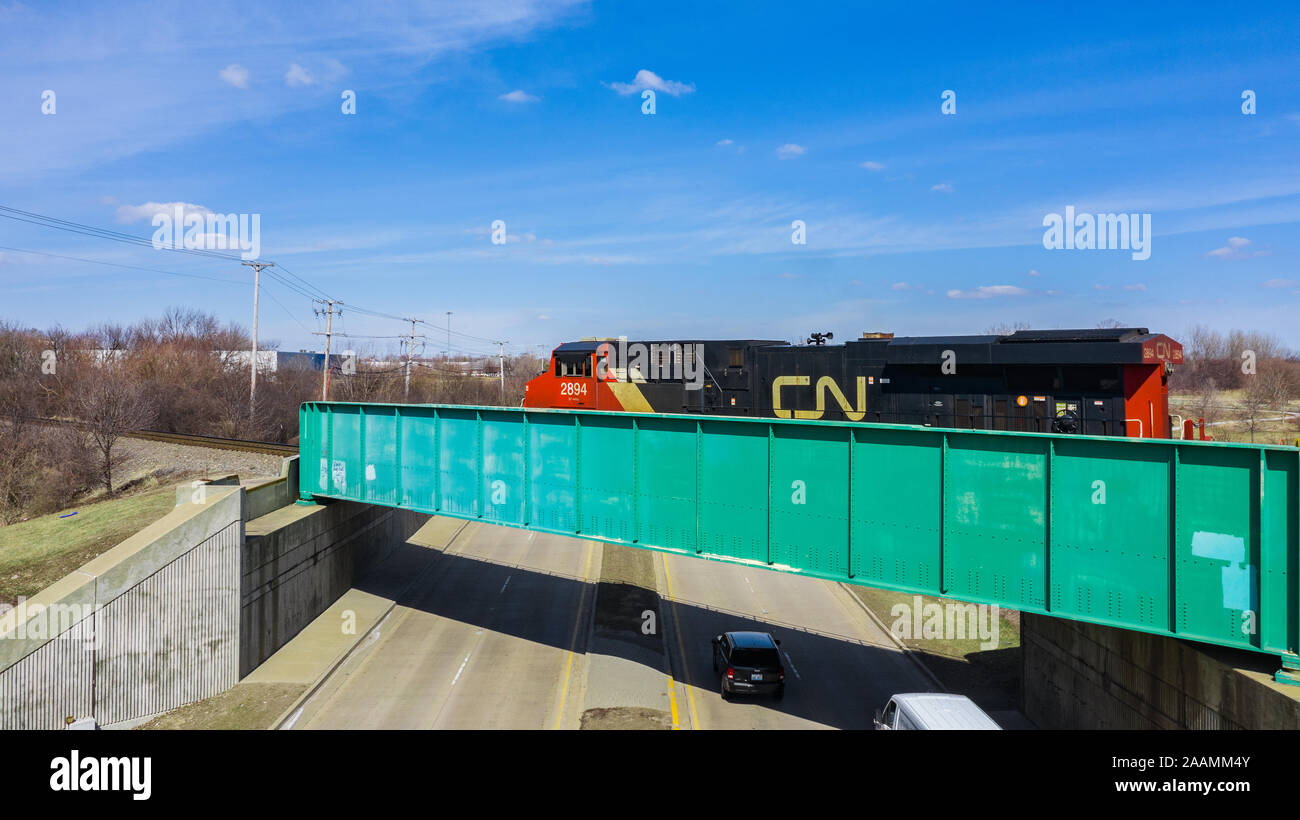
(725, 694)
(780, 692)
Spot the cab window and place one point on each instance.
(574, 368)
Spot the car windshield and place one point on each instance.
(765, 658)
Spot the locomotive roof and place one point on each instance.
(1125, 345)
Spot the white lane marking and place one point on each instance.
(461, 669)
(531, 534)
(792, 669)
(506, 584)
(288, 724)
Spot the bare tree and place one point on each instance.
(1265, 392)
(111, 406)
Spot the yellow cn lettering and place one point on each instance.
(777, 384)
(827, 383)
(824, 384)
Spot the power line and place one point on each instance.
(295, 283)
(116, 264)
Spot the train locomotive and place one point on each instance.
(1103, 382)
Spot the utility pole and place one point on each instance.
(410, 351)
(447, 352)
(252, 385)
(329, 329)
(501, 363)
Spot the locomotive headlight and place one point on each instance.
(1022, 400)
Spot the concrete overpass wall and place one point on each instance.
(298, 560)
(147, 626)
(1085, 676)
(189, 605)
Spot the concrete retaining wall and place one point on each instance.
(187, 606)
(147, 626)
(274, 494)
(298, 560)
(1084, 676)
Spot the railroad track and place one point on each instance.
(211, 442)
(267, 447)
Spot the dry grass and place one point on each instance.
(38, 552)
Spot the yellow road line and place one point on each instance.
(573, 639)
(681, 650)
(672, 702)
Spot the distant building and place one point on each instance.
(268, 361)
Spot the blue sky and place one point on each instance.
(671, 224)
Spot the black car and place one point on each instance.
(749, 664)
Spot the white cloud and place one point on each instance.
(988, 292)
(126, 214)
(648, 79)
(234, 74)
(790, 150)
(1034, 273)
(871, 166)
(518, 96)
(114, 63)
(544, 317)
(1280, 283)
(725, 142)
(1136, 287)
(942, 187)
(297, 76)
(1235, 249)
(1101, 287)
(902, 286)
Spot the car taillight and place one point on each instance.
(782, 671)
(731, 673)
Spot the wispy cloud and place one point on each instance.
(114, 64)
(298, 76)
(988, 292)
(942, 187)
(518, 96)
(128, 214)
(234, 74)
(791, 150)
(648, 79)
(1235, 249)
(871, 166)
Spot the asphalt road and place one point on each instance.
(493, 633)
(484, 639)
(839, 666)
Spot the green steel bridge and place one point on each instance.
(1188, 539)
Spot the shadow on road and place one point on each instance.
(835, 680)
